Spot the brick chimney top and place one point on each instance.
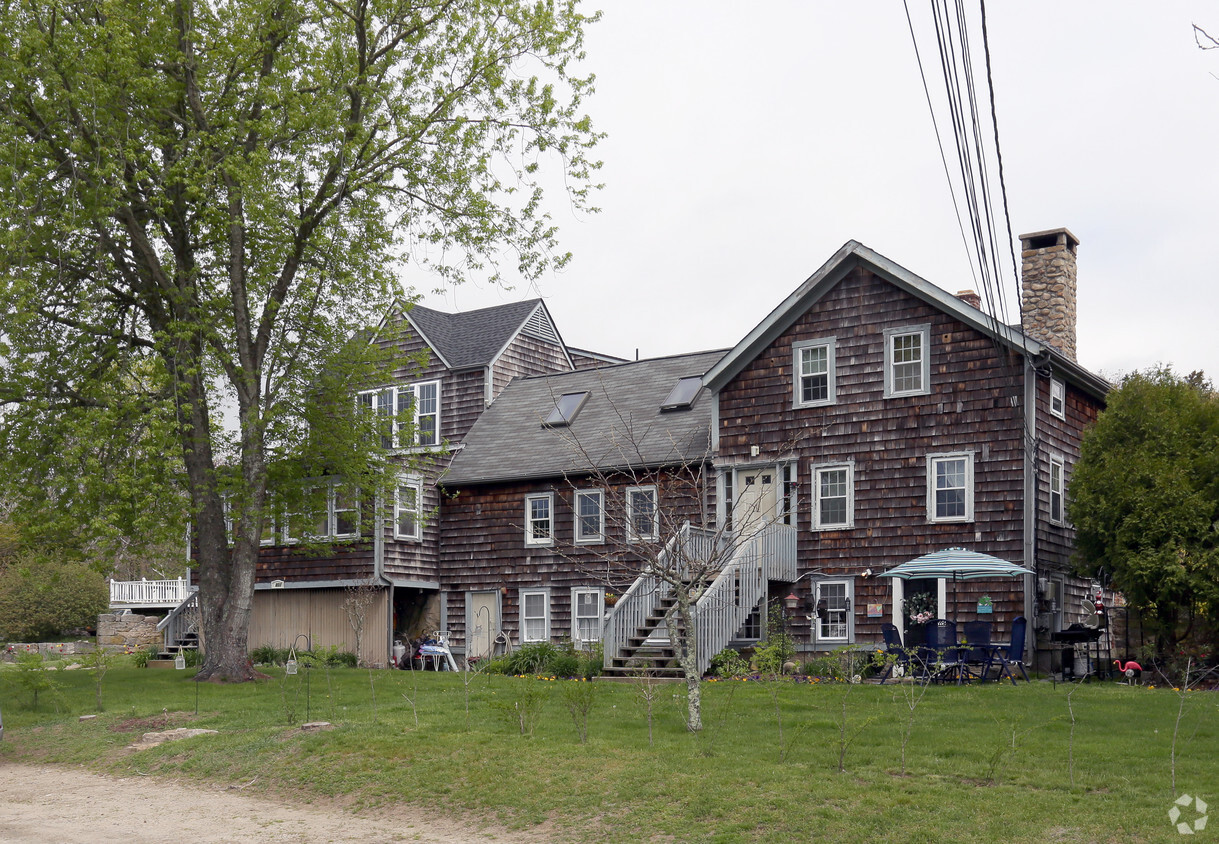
(1048, 287)
(969, 297)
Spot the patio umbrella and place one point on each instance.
(957, 564)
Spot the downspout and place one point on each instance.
(1029, 450)
(378, 573)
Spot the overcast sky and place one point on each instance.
(748, 142)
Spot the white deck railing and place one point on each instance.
(149, 593)
(181, 621)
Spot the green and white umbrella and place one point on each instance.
(955, 564)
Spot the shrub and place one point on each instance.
(267, 655)
(729, 663)
(532, 658)
(144, 655)
(40, 596)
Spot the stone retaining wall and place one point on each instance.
(127, 632)
(48, 648)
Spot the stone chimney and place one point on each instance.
(1047, 297)
(969, 297)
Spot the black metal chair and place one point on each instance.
(941, 656)
(1013, 654)
(978, 654)
(895, 652)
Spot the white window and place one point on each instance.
(833, 497)
(408, 502)
(789, 491)
(587, 608)
(950, 487)
(539, 519)
(907, 361)
(642, 515)
(401, 410)
(1058, 488)
(535, 615)
(835, 621)
(813, 368)
(590, 516)
(337, 517)
(1058, 398)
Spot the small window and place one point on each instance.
(565, 409)
(727, 499)
(787, 506)
(539, 519)
(587, 608)
(1058, 394)
(1058, 488)
(344, 511)
(950, 494)
(535, 616)
(427, 413)
(590, 516)
(835, 623)
(407, 504)
(833, 497)
(683, 393)
(813, 369)
(907, 361)
(642, 517)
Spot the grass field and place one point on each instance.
(988, 763)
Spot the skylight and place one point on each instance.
(683, 393)
(565, 409)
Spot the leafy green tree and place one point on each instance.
(41, 596)
(1144, 498)
(206, 204)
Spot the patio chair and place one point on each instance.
(895, 652)
(941, 655)
(978, 655)
(1013, 654)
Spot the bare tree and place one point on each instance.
(357, 602)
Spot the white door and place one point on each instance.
(482, 623)
(756, 499)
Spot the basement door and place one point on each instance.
(482, 623)
(756, 499)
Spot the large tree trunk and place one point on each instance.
(226, 576)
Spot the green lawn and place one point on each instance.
(737, 781)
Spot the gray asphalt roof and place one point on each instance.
(620, 425)
(472, 338)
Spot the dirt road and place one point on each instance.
(52, 805)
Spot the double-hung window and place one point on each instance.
(907, 361)
(587, 608)
(642, 515)
(408, 502)
(1058, 398)
(1058, 488)
(950, 488)
(405, 411)
(835, 622)
(813, 368)
(337, 514)
(833, 497)
(539, 519)
(590, 516)
(535, 615)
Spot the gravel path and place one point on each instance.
(51, 805)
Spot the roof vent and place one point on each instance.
(539, 326)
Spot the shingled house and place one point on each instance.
(870, 418)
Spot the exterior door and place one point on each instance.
(756, 499)
(482, 623)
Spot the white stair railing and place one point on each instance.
(177, 624)
(769, 554)
(648, 591)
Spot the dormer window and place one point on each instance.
(565, 409)
(683, 393)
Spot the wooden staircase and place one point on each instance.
(630, 631)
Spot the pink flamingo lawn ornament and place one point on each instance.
(1132, 670)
